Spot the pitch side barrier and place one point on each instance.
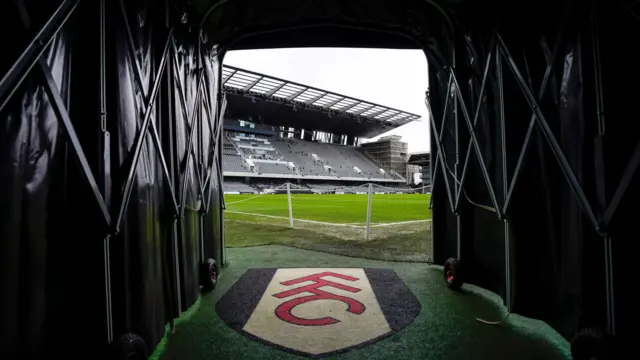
(111, 179)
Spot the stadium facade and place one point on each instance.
(390, 152)
(420, 162)
(277, 131)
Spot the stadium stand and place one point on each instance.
(303, 160)
(277, 131)
(233, 163)
(325, 187)
(288, 156)
(231, 158)
(238, 187)
(266, 167)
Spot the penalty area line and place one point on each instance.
(294, 219)
(400, 223)
(351, 225)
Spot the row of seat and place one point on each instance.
(309, 158)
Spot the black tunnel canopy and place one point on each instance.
(285, 23)
(558, 257)
(518, 93)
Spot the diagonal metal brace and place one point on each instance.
(532, 122)
(154, 131)
(126, 195)
(191, 122)
(218, 140)
(57, 103)
(481, 100)
(440, 136)
(574, 185)
(476, 146)
(190, 150)
(207, 105)
(439, 145)
(33, 52)
(59, 108)
(627, 176)
(132, 50)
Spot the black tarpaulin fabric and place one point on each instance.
(551, 224)
(546, 225)
(620, 26)
(187, 80)
(54, 258)
(557, 262)
(212, 116)
(140, 245)
(51, 270)
(31, 145)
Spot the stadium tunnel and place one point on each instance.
(110, 180)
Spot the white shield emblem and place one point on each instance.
(316, 312)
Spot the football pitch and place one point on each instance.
(400, 225)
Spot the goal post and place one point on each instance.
(289, 204)
(369, 199)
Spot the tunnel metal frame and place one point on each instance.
(32, 56)
(599, 218)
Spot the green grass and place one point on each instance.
(336, 208)
(334, 224)
(446, 327)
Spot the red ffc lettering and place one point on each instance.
(283, 311)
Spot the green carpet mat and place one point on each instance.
(445, 328)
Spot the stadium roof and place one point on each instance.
(356, 117)
(419, 158)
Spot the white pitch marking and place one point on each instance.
(352, 225)
(286, 218)
(401, 222)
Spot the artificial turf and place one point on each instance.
(446, 327)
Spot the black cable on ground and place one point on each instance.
(494, 322)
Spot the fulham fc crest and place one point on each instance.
(318, 312)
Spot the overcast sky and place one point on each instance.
(394, 78)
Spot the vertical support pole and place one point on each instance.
(505, 178)
(223, 244)
(600, 170)
(289, 201)
(440, 157)
(455, 169)
(427, 99)
(430, 165)
(106, 169)
(608, 264)
(198, 160)
(221, 107)
(369, 200)
(173, 162)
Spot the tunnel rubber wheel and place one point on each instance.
(453, 274)
(129, 346)
(209, 275)
(591, 344)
